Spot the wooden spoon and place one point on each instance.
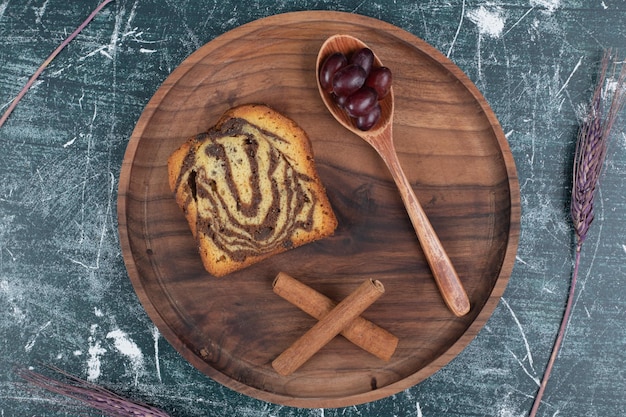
(380, 137)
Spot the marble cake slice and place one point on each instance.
(249, 189)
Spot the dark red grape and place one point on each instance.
(361, 102)
(331, 65)
(380, 80)
(370, 119)
(364, 58)
(340, 100)
(356, 85)
(348, 79)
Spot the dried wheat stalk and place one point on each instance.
(589, 159)
(48, 60)
(91, 395)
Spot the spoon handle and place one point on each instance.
(447, 280)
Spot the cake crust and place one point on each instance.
(249, 189)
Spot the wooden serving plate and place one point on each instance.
(453, 151)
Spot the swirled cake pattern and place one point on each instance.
(252, 189)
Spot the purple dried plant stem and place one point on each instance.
(91, 395)
(47, 62)
(559, 338)
(589, 157)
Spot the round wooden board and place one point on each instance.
(453, 150)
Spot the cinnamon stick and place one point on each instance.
(328, 327)
(363, 333)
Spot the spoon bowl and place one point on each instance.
(380, 137)
(347, 44)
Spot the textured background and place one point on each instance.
(65, 298)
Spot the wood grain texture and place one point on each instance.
(455, 156)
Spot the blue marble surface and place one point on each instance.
(65, 298)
